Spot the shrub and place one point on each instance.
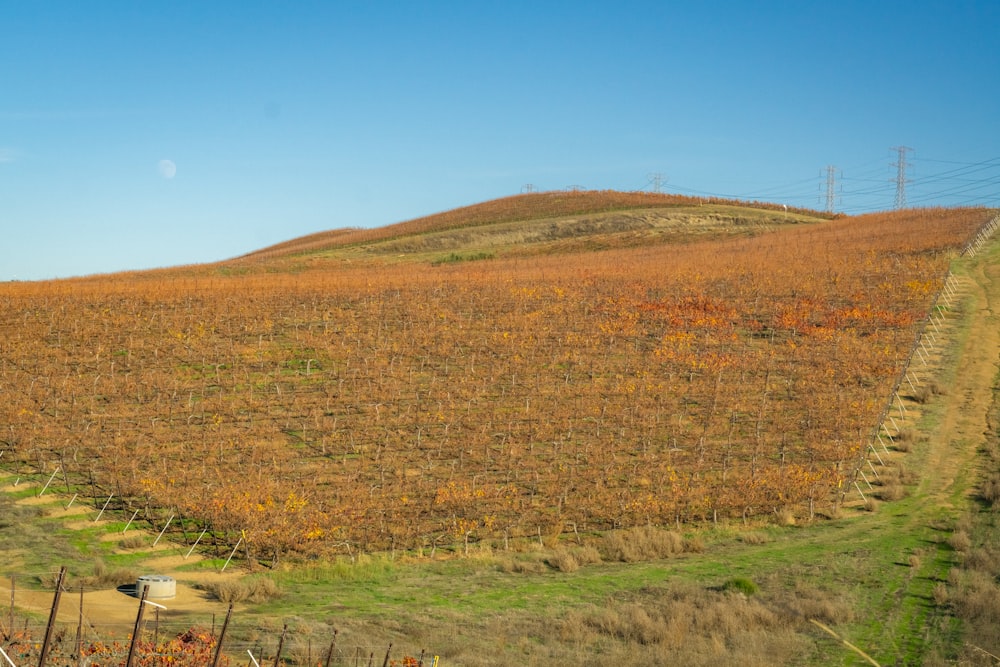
(991, 489)
(922, 395)
(784, 516)
(587, 555)
(959, 540)
(891, 491)
(248, 589)
(136, 541)
(563, 561)
(940, 594)
(741, 585)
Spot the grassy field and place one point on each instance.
(897, 577)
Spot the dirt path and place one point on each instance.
(953, 446)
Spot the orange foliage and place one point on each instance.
(403, 405)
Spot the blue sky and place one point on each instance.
(137, 135)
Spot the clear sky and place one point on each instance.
(145, 134)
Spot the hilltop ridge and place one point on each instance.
(594, 218)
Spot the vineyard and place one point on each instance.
(405, 405)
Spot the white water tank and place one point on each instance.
(157, 586)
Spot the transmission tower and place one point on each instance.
(657, 181)
(831, 188)
(901, 181)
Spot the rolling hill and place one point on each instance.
(559, 369)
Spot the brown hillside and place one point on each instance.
(518, 208)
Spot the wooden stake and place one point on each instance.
(52, 618)
(11, 626)
(281, 643)
(138, 627)
(333, 644)
(222, 637)
(79, 633)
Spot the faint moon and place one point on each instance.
(167, 168)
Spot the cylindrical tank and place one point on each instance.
(158, 585)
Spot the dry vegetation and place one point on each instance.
(973, 591)
(410, 406)
(526, 207)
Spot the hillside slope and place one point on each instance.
(541, 223)
(392, 403)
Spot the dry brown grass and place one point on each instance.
(521, 565)
(990, 491)
(641, 544)
(694, 626)
(890, 491)
(247, 589)
(959, 541)
(103, 577)
(785, 516)
(136, 541)
(755, 537)
(564, 561)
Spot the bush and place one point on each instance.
(784, 516)
(891, 491)
(991, 489)
(740, 585)
(563, 561)
(959, 540)
(248, 589)
(136, 541)
(587, 555)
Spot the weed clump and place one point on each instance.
(891, 490)
(639, 544)
(564, 561)
(755, 537)
(959, 541)
(133, 542)
(248, 589)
